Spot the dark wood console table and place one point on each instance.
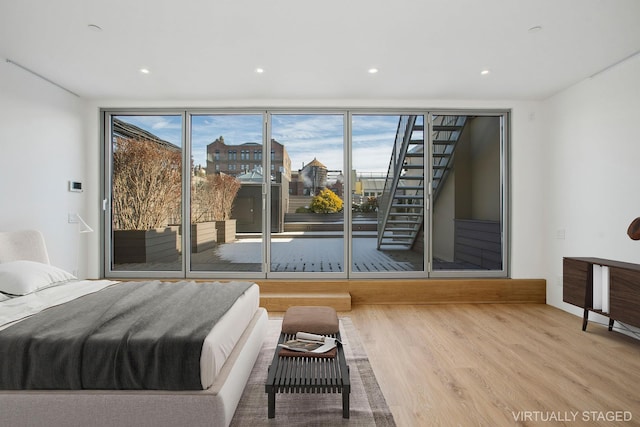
(624, 289)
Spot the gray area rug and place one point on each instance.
(368, 406)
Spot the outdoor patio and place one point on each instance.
(292, 252)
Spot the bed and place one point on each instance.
(228, 353)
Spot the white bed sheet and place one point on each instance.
(217, 345)
(226, 333)
(18, 308)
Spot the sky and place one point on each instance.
(305, 136)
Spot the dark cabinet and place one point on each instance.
(625, 295)
(623, 290)
(576, 278)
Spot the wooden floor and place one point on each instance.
(499, 365)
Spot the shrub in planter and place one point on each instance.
(326, 202)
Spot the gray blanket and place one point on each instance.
(134, 335)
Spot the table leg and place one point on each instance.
(271, 398)
(585, 319)
(345, 404)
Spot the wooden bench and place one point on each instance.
(305, 374)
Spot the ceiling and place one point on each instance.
(423, 49)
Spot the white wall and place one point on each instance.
(591, 172)
(41, 149)
(527, 192)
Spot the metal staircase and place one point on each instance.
(401, 207)
(446, 131)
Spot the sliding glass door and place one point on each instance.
(329, 194)
(388, 194)
(146, 192)
(307, 236)
(226, 193)
(468, 194)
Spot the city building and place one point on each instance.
(243, 158)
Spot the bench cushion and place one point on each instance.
(313, 319)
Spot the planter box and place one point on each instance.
(314, 222)
(314, 217)
(141, 246)
(203, 236)
(226, 230)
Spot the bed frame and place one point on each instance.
(212, 407)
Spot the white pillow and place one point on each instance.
(25, 277)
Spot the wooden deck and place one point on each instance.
(301, 253)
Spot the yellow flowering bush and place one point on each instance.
(326, 202)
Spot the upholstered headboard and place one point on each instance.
(23, 245)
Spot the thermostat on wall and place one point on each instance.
(75, 186)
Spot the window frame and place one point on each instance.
(348, 113)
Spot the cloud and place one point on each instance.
(309, 136)
(305, 136)
(166, 127)
(372, 142)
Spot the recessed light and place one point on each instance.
(373, 70)
(144, 70)
(94, 27)
(259, 70)
(485, 72)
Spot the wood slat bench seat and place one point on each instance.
(308, 375)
